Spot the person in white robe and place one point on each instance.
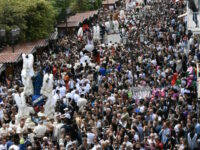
(27, 73)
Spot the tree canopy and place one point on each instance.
(35, 18)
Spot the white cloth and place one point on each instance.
(40, 130)
(14, 147)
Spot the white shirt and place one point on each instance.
(3, 131)
(76, 97)
(15, 147)
(68, 144)
(3, 147)
(20, 130)
(62, 91)
(40, 130)
(90, 138)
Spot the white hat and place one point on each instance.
(67, 116)
(66, 109)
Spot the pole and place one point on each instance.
(13, 49)
(198, 96)
(13, 46)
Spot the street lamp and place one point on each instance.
(14, 35)
(68, 11)
(2, 35)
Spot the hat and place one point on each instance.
(67, 116)
(66, 109)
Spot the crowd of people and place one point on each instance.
(156, 52)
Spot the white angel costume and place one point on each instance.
(94, 33)
(46, 90)
(80, 33)
(47, 86)
(27, 73)
(98, 32)
(23, 110)
(89, 47)
(49, 107)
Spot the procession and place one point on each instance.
(126, 82)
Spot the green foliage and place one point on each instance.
(40, 18)
(12, 14)
(35, 18)
(81, 5)
(61, 6)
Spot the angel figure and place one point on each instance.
(27, 73)
(24, 111)
(46, 90)
(47, 86)
(80, 33)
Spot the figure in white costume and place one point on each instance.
(98, 32)
(94, 33)
(46, 90)
(47, 85)
(116, 26)
(23, 110)
(27, 73)
(89, 47)
(80, 33)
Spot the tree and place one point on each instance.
(81, 5)
(12, 14)
(40, 17)
(61, 6)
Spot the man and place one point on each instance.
(40, 130)
(164, 133)
(68, 141)
(21, 128)
(84, 145)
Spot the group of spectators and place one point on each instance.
(156, 52)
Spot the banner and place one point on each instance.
(141, 92)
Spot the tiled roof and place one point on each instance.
(80, 17)
(9, 57)
(74, 21)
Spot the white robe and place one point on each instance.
(47, 86)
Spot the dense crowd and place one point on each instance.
(154, 53)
